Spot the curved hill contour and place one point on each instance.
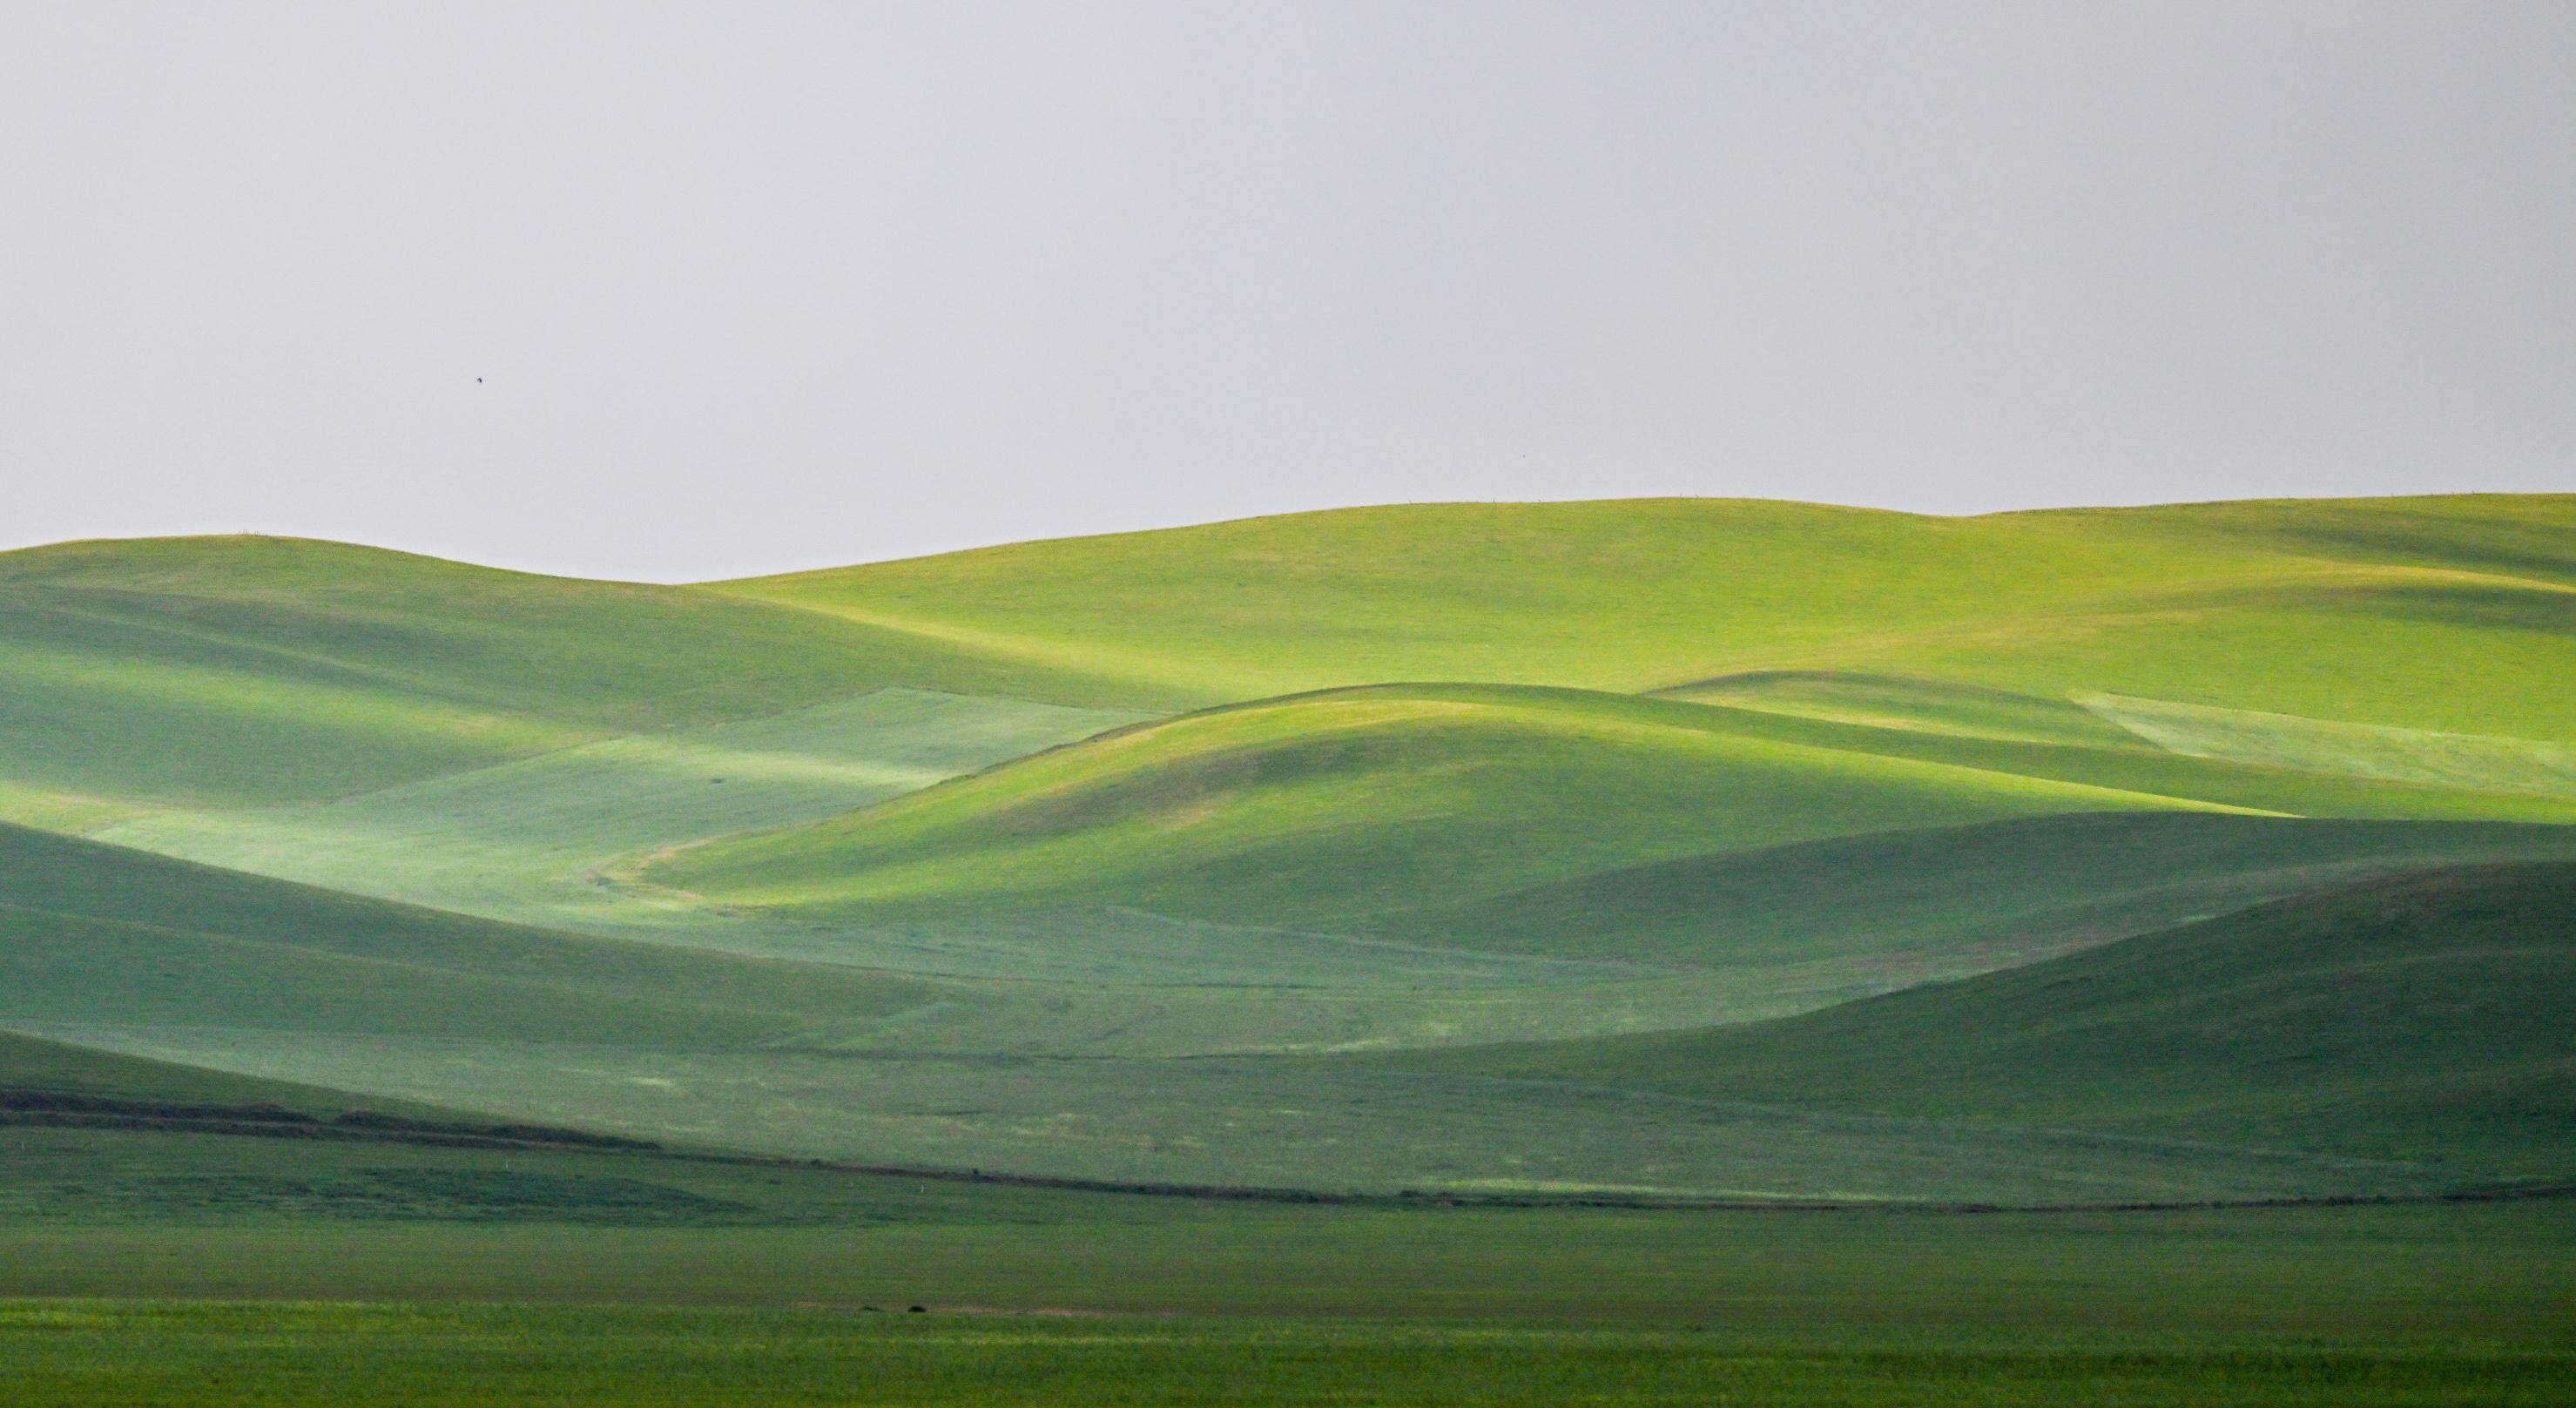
(2372, 611)
(1700, 847)
(1312, 806)
(2422, 1017)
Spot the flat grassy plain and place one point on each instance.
(292, 1273)
(158, 1267)
(181, 1356)
(148, 1257)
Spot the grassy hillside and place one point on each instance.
(2521, 536)
(1304, 808)
(1913, 900)
(256, 671)
(2423, 1017)
(913, 862)
(146, 956)
(31, 1069)
(101, 935)
(1855, 671)
(1459, 869)
(2368, 611)
(1319, 809)
(2273, 762)
(526, 841)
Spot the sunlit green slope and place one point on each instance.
(255, 671)
(527, 840)
(2423, 1017)
(1317, 808)
(1312, 806)
(2444, 613)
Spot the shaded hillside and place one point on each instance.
(2012, 886)
(102, 935)
(57, 1077)
(2426, 1017)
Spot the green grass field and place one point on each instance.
(1637, 931)
(306, 1354)
(143, 1266)
(161, 1268)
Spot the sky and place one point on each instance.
(676, 291)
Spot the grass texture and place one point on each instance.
(1240, 854)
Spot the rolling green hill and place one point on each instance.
(1244, 853)
(1315, 809)
(134, 953)
(1300, 809)
(101, 935)
(2367, 611)
(254, 671)
(525, 841)
(259, 671)
(30, 1068)
(1949, 896)
(2423, 1017)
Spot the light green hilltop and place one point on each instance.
(1310, 807)
(1300, 809)
(2441, 613)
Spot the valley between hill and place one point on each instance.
(1653, 849)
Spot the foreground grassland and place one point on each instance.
(144, 1266)
(381, 1273)
(182, 1355)
(2417, 1274)
(175, 1266)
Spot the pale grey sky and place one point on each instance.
(756, 286)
